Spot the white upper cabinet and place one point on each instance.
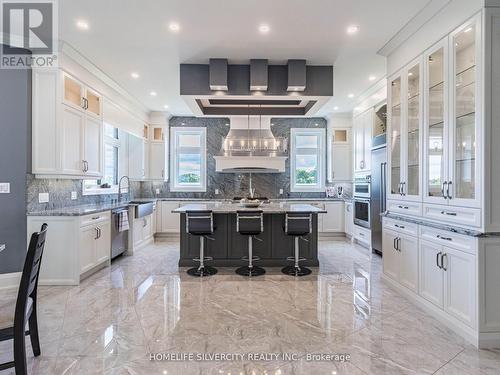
(67, 127)
(362, 129)
(136, 162)
(405, 133)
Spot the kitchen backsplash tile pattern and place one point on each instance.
(230, 185)
(60, 193)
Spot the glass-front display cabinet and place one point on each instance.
(463, 181)
(405, 132)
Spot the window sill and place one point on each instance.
(307, 189)
(188, 189)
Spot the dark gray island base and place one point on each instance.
(228, 247)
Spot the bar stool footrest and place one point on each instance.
(255, 257)
(250, 272)
(292, 259)
(205, 259)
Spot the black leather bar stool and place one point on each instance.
(297, 224)
(250, 223)
(201, 223)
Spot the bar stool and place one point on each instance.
(250, 223)
(297, 224)
(201, 223)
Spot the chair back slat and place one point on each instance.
(29, 278)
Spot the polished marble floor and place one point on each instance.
(143, 304)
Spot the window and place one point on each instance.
(188, 162)
(111, 165)
(307, 164)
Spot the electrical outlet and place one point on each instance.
(281, 191)
(43, 197)
(74, 195)
(157, 191)
(216, 191)
(5, 188)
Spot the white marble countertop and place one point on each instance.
(267, 208)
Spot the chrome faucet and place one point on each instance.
(120, 187)
(251, 188)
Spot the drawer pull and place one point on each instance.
(361, 234)
(404, 207)
(444, 238)
(448, 213)
(96, 217)
(399, 226)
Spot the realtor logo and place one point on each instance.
(29, 33)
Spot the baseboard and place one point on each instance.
(489, 340)
(456, 326)
(10, 280)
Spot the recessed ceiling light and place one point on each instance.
(165, 106)
(153, 93)
(174, 27)
(134, 75)
(350, 96)
(335, 108)
(264, 29)
(372, 78)
(410, 74)
(357, 108)
(352, 29)
(82, 24)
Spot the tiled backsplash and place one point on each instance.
(60, 193)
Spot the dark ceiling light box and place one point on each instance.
(296, 75)
(258, 75)
(218, 74)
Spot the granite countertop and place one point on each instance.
(267, 208)
(96, 208)
(447, 227)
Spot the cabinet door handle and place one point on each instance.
(442, 261)
(444, 238)
(394, 243)
(398, 244)
(403, 185)
(437, 260)
(442, 189)
(448, 190)
(96, 233)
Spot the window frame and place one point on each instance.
(319, 187)
(175, 186)
(96, 189)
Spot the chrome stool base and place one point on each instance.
(296, 271)
(247, 271)
(202, 271)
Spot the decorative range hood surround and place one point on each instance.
(250, 147)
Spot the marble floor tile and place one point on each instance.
(143, 304)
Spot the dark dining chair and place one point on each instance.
(13, 325)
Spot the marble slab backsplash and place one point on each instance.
(234, 185)
(60, 193)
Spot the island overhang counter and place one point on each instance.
(228, 247)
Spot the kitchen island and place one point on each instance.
(227, 246)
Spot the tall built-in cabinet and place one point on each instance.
(362, 130)
(67, 126)
(443, 130)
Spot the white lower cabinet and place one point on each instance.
(95, 245)
(448, 280)
(400, 258)
(75, 247)
(170, 222)
(143, 230)
(333, 220)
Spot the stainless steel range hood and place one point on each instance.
(250, 147)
